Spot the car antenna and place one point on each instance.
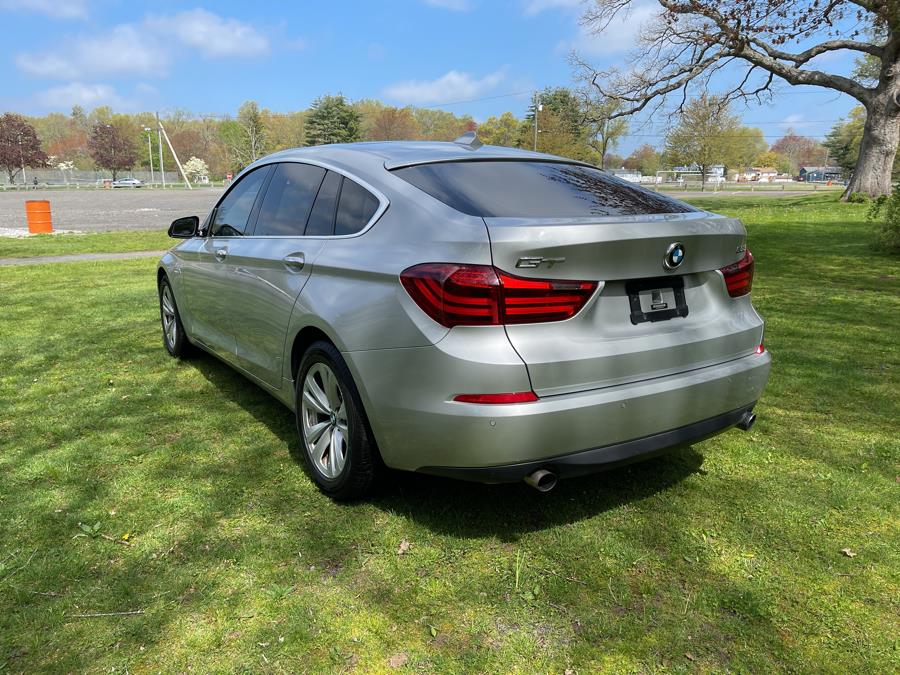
(469, 140)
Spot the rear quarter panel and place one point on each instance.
(354, 294)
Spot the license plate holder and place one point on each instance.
(639, 314)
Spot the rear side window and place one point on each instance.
(525, 189)
(321, 220)
(289, 200)
(234, 210)
(355, 208)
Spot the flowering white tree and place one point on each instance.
(66, 168)
(196, 168)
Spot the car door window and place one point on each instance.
(355, 208)
(321, 220)
(234, 210)
(289, 200)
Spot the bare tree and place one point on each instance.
(692, 40)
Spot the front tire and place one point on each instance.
(338, 450)
(174, 337)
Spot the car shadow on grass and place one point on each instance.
(507, 511)
(474, 510)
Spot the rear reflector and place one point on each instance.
(516, 397)
(482, 295)
(739, 276)
(761, 348)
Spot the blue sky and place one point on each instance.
(210, 57)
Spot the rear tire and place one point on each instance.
(337, 446)
(175, 339)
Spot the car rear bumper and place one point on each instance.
(408, 396)
(597, 459)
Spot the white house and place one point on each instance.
(760, 174)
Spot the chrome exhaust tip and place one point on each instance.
(747, 421)
(541, 480)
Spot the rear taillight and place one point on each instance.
(482, 295)
(739, 276)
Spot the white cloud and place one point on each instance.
(619, 36)
(451, 86)
(85, 95)
(146, 49)
(57, 9)
(452, 5)
(533, 7)
(122, 51)
(797, 122)
(210, 34)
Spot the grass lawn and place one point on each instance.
(100, 242)
(723, 556)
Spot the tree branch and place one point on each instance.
(795, 75)
(832, 45)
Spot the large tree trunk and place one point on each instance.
(877, 149)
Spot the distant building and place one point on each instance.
(821, 174)
(632, 176)
(714, 173)
(761, 174)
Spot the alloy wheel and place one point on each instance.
(324, 421)
(169, 319)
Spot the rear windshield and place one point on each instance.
(516, 189)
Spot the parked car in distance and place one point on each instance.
(478, 312)
(127, 183)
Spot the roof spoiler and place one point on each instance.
(469, 140)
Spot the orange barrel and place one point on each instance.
(37, 212)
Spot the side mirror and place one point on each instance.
(184, 228)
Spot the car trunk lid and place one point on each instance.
(623, 334)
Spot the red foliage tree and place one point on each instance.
(111, 150)
(19, 145)
(800, 150)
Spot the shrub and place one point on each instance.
(886, 209)
(858, 198)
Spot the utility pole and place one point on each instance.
(162, 168)
(175, 156)
(537, 107)
(150, 151)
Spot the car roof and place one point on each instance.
(396, 154)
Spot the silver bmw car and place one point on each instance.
(478, 312)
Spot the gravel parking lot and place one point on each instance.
(93, 210)
(105, 210)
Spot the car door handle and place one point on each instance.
(221, 253)
(294, 260)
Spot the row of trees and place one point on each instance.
(569, 123)
(706, 133)
(117, 142)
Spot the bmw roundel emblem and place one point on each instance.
(674, 256)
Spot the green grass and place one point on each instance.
(100, 242)
(721, 557)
